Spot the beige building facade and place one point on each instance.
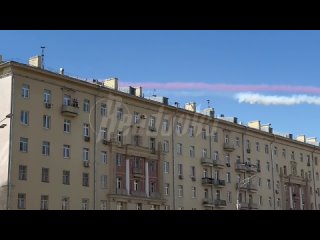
(75, 144)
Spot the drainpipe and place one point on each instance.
(243, 150)
(271, 156)
(173, 161)
(314, 182)
(210, 149)
(94, 153)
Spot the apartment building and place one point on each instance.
(80, 144)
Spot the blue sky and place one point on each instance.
(287, 58)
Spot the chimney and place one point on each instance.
(111, 83)
(0, 58)
(138, 91)
(302, 138)
(190, 106)
(254, 124)
(35, 61)
(61, 71)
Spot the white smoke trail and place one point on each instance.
(255, 98)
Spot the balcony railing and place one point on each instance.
(137, 171)
(208, 202)
(220, 203)
(219, 183)
(252, 168)
(70, 111)
(241, 167)
(249, 186)
(229, 147)
(207, 181)
(121, 191)
(244, 205)
(253, 205)
(218, 163)
(206, 161)
(138, 193)
(155, 195)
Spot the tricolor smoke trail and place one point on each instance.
(225, 87)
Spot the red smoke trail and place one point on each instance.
(226, 87)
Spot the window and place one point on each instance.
(136, 184)
(152, 143)
(66, 100)
(248, 144)
(292, 155)
(277, 167)
(278, 202)
(278, 185)
(180, 169)
(165, 125)
(238, 160)
(165, 146)
(46, 123)
(260, 200)
(229, 199)
(86, 130)
(284, 153)
(103, 133)
(258, 165)
(179, 149)
(155, 207)
(215, 136)
(204, 153)
(119, 136)
(24, 117)
(268, 166)
(258, 147)
(301, 157)
(67, 126)
(119, 114)
(121, 205)
(204, 134)
(119, 181)
(260, 182)
(25, 91)
(136, 118)
(66, 177)
(152, 166)
(86, 105)
(103, 157)
(179, 128)
(180, 191)
(192, 154)
(166, 189)
(85, 179)
(269, 183)
(166, 167)
(270, 202)
(45, 148)
(237, 141)
(205, 193)
(45, 175)
(226, 138)
(66, 151)
(285, 170)
(227, 158)
(136, 140)
(266, 149)
(228, 177)
(205, 173)
(103, 205)
(22, 172)
(21, 200)
(85, 204)
(308, 160)
(65, 202)
(316, 161)
(47, 96)
(118, 159)
(193, 192)
(23, 144)
(103, 110)
(215, 155)
(275, 151)
(191, 131)
(152, 122)
(302, 173)
(44, 202)
(193, 171)
(152, 187)
(103, 181)
(139, 206)
(85, 154)
(317, 176)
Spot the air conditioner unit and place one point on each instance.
(180, 176)
(248, 150)
(86, 163)
(228, 164)
(87, 138)
(48, 105)
(105, 142)
(142, 116)
(152, 129)
(277, 191)
(193, 178)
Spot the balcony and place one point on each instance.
(206, 162)
(220, 203)
(229, 147)
(152, 128)
(155, 195)
(208, 202)
(253, 205)
(207, 181)
(241, 167)
(121, 191)
(69, 111)
(86, 138)
(218, 163)
(219, 183)
(244, 206)
(137, 171)
(248, 187)
(138, 194)
(252, 168)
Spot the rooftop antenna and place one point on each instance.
(176, 103)
(42, 56)
(154, 93)
(208, 103)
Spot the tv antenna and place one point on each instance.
(208, 103)
(154, 93)
(42, 56)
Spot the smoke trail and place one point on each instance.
(225, 87)
(254, 98)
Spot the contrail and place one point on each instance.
(255, 98)
(225, 87)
